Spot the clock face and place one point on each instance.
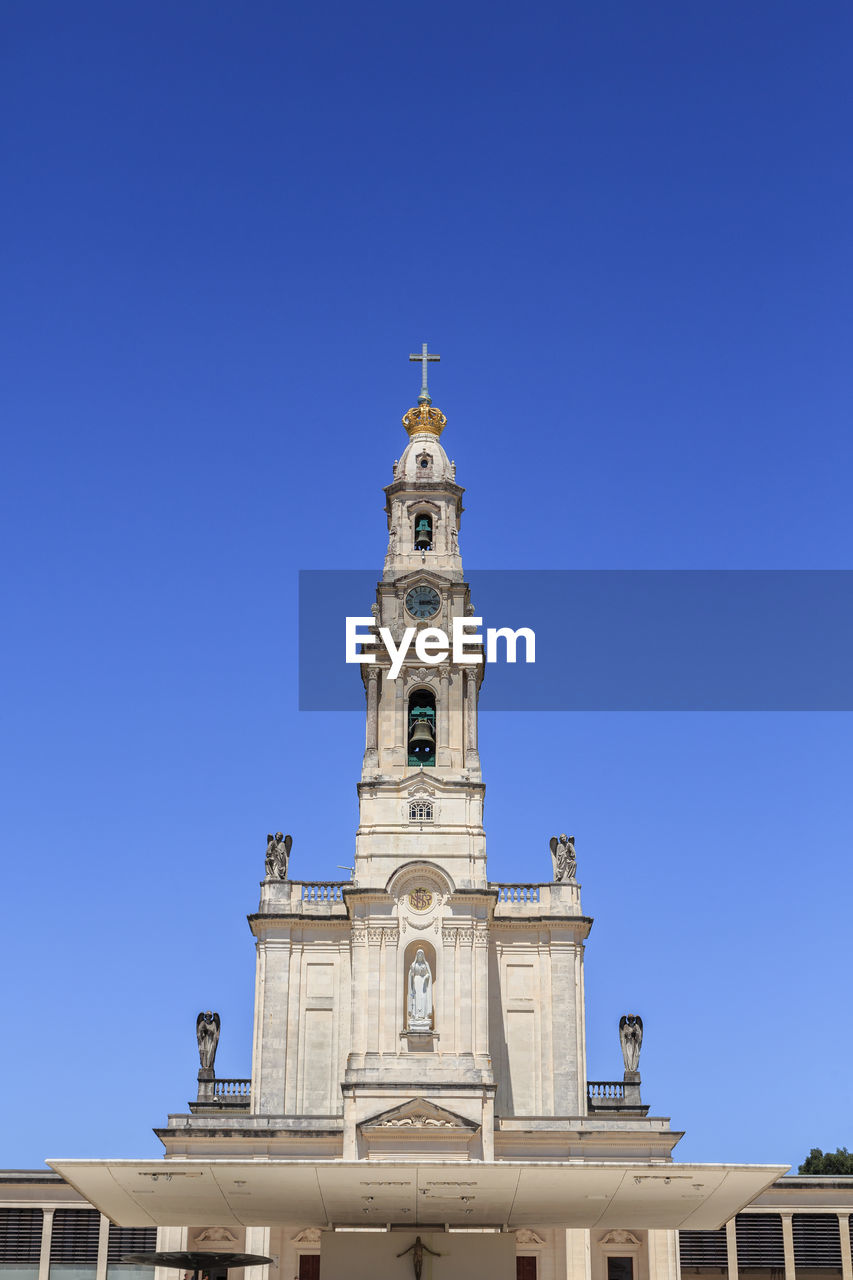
(423, 602)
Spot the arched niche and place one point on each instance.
(412, 949)
(421, 728)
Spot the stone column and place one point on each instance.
(292, 1082)
(374, 1002)
(400, 719)
(466, 985)
(443, 714)
(46, 1235)
(731, 1249)
(170, 1240)
(393, 1013)
(788, 1242)
(471, 753)
(271, 1031)
(257, 1241)
(664, 1263)
(447, 1030)
(103, 1246)
(578, 1266)
(481, 992)
(371, 747)
(358, 1042)
(844, 1233)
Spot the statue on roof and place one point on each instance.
(631, 1039)
(207, 1034)
(278, 855)
(564, 859)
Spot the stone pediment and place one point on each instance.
(418, 1129)
(414, 577)
(309, 1235)
(528, 1237)
(421, 787)
(418, 1113)
(620, 1237)
(216, 1235)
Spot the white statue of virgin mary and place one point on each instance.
(420, 993)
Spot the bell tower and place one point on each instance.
(421, 790)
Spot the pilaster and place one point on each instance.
(578, 1264)
(103, 1247)
(46, 1237)
(664, 1262)
(731, 1249)
(788, 1243)
(844, 1233)
(257, 1241)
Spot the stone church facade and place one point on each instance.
(419, 1064)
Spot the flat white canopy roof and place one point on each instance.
(140, 1193)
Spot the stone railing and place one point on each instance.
(615, 1095)
(543, 899)
(232, 1089)
(605, 1089)
(518, 892)
(323, 891)
(304, 897)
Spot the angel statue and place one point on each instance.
(563, 857)
(207, 1034)
(631, 1038)
(420, 993)
(417, 1251)
(278, 853)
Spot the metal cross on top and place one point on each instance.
(424, 358)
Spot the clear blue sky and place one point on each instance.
(627, 229)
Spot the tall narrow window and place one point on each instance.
(423, 532)
(421, 728)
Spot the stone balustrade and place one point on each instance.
(323, 891)
(227, 1088)
(304, 897)
(615, 1095)
(518, 892)
(544, 899)
(326, 898)
(605, 1089)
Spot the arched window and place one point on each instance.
(420, 811)
(423, 531)
(421, 728)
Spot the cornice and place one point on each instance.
(270, 917)
(385, 783)
(420, 487)
(523, 922)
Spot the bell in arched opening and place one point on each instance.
(421, 728)
(423, 533)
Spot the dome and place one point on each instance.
(424, 459)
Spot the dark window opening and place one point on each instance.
(421, 728)
(423, 533)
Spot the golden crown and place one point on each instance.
(424, 417)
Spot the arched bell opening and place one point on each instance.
(421, 728)
(419, 995)
(423, 531)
